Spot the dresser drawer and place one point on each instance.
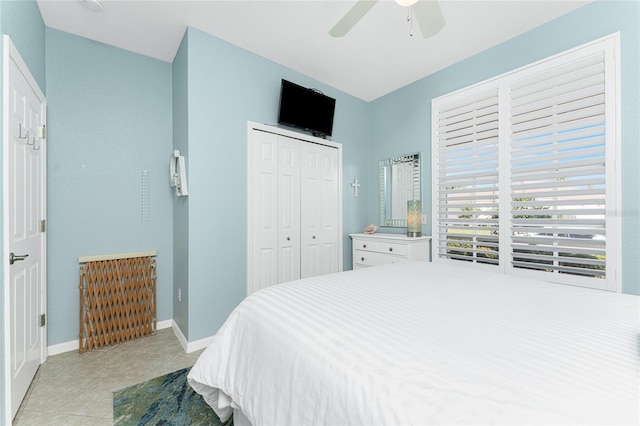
(369, 258)
(398, 249)
(392, 248)
(381, 249)
(365, 245)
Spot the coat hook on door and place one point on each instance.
(35, 147)
(20, 132)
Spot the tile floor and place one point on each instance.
(76, 389)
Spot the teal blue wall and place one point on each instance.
(401, 121)
(21, 21)
(228, 86)
(3, 406)
(110, 115)
(113, 114)
(181, 204)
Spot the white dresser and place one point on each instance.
(379, 249)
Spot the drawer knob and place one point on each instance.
(362, 259)
(364, 246)
(314, 237)
(390, 248)
(288, 238)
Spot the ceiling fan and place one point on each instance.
(426, 12)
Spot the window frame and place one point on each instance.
(610, 46)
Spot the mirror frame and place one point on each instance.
(384, 192)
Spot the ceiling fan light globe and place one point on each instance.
(95, 5)
(406, 3)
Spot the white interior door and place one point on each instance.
(288, 209)
(319, 222)
(275, 212)
(25, 161)
(263, 210)
(294, 207)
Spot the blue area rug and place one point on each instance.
(165, 400)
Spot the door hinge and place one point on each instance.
(43, 320)
(43, 131)
(43, 225)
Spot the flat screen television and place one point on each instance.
(306, 109)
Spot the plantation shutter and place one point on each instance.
(557, 169)
(467, 178)
(526, 164)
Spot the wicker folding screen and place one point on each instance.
(117, 298)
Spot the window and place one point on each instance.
(525, 173)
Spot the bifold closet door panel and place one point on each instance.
(288, 209)
(294, 209)
(264, 212)
(319, 210)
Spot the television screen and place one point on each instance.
(306, 108)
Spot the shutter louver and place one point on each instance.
(557, 169)
(467, 179)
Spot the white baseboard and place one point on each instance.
(199, 344)
(161, 325)
(73, 345)
(63, 347)
(190, 346)
(183, 340)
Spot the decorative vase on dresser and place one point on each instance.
(380, 249)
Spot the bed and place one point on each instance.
(425, 343)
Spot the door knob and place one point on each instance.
(15, 257)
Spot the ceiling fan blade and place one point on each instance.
(429, 17)
(352, 17)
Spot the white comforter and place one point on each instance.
(422, 343)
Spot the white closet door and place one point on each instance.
(288, 209)
(294, 207)
(264, 213)
(319, 210)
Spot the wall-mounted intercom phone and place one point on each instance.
(178, 173)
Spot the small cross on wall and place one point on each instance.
(355, 185)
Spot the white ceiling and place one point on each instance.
(377, 57)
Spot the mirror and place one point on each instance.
(399, 183)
